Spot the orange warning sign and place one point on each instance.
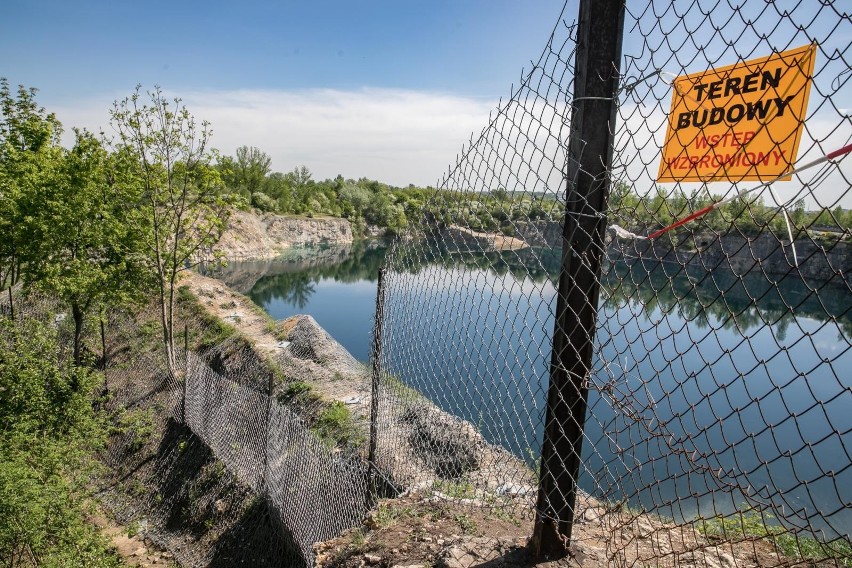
(740, 122)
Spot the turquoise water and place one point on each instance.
(701, 399)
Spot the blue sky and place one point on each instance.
(83, 48)
(379, 88)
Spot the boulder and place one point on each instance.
(449, 445)
(310, 341)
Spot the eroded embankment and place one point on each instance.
(419, 444)
(249, 481)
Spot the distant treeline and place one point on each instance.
(248, 176)
(747, 215)
(369, 202)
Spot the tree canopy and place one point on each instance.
(182, 209)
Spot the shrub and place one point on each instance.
(263, 202)
(48, 432)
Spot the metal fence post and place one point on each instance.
(596, 78)
(185, 372)
(372, 488)
(270, 387)
(104, 356)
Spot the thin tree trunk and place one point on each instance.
(164, 322)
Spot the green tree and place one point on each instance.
(29, 152)
(276, 187)
(246, 171)
(48, 432)
(622, 203)
(797, 217)
(182, 210)
(356, 199)
(500, 194)
(83, 248)
(301, 184)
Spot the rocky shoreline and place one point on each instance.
(251, 236)
(822, 260)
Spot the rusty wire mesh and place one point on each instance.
(717, 429)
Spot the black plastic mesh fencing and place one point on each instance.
(716, 429)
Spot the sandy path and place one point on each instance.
(235, 309)
(134, 550)
(239, 311)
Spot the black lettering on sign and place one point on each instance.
(733, 114)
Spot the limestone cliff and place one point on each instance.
(259, 236)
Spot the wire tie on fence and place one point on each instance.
(596, 215)
(590, 99)
(836, 84)
(629, 87)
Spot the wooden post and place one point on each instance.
(596, 78)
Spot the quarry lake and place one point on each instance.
(718, 400)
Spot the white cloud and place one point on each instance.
(403, 137)
(395, 136)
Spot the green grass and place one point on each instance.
(269, 322)
(213, 330)
(455, 489)
(299, 393)
(402, 390)
(335, 427)
(387, 515)
(138, 425)
(466, 524)
(501, 511)
(754, 524)
(359, 540)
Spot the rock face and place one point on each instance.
(766, 253)
(310, 341)
(449, 445)
(464, 239)
(243, 276)
(541, 233)
(251, 236)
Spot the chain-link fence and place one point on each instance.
(215, 465)
(685, 386)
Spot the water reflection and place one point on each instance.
(708, 389)
(736, 303)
